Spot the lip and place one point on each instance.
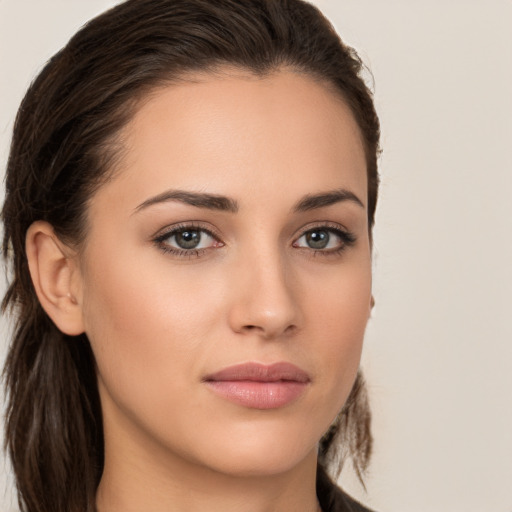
(259, 386)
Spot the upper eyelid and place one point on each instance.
(330, 225)
(323, 224)
(181, 226)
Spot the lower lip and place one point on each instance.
(257, 394)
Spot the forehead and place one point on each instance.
(232, 132)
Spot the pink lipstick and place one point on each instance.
(259, 386)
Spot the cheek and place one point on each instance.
(154, 326)
(145, 326)
(339, 315)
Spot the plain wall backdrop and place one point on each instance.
(438, 354)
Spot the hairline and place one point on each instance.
(113, 149)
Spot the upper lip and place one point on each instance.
(257, 372)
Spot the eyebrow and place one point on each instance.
(313, 201)
(227, 204)
(199, 199)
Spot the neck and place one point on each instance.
(133, 487)
(138, 476)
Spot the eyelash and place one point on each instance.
(347, 240)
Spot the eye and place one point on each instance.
(190, 239)
(187, 240)
(325, 239)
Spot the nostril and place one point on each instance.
(290, 329)
(269, 332)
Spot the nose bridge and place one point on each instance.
(265, 300)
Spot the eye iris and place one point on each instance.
(317, 239)
(188, 239)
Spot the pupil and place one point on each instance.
(188, 239)
(317, 239)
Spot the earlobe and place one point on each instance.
(56, 277)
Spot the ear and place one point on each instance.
(56, 277)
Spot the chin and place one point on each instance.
(259, 451)
(259, 464)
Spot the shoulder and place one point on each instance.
(334, 499)
(344, 503)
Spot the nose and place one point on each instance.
(264, 298)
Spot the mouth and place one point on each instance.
(259, 386)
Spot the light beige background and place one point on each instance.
(438, 353)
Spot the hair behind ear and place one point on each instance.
(53, 427)
(50, 378)
(350, 435)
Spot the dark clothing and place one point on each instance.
(332, 498)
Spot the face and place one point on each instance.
(226, 279)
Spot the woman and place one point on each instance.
(190, 196)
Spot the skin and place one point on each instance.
(159, 323)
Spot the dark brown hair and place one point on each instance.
(63, 149)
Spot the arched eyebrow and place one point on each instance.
(227, 204)
(198, 199)
(313, 201)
